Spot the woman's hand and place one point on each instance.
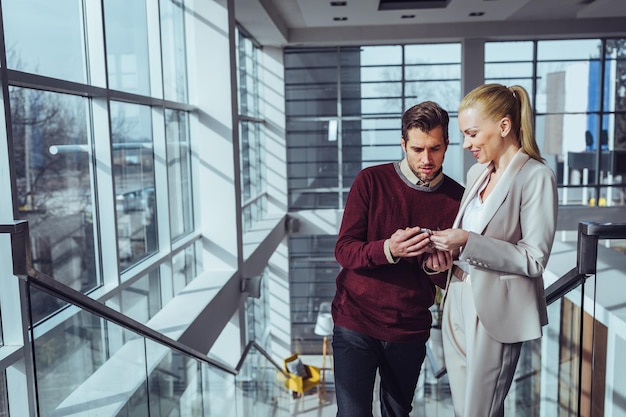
(449, 240)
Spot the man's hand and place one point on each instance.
(409, 242)
(438, 261)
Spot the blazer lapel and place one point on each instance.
(499, 193)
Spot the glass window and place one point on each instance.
(84, 361)
(141, 300)
(66, 356)
(173, 50)
(442, 53)
(53, 168)
(179, 172)
(311, 82)
(251, 134)
(127, 46)
(184, 268)
(509, 51)
(45, 38)
(133, 169)
(579, 122)
(331, 138)
(379, 55)
(570, 49)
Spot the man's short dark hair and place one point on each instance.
(425, 116)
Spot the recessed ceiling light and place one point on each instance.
(408, 16)
(338, 3)
(476, 14)
(340, 19)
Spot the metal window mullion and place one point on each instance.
(339, 134)
(153, 22)
(161, 183)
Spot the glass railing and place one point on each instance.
(99, 362)
(574, 370)
(114, 366)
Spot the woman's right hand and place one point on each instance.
(449, 240)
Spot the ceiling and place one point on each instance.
(318, 22)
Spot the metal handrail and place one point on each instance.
(586, 256)
(22, 267)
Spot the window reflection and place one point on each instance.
(45, 37)
(133, 169)
(53, 168)
(127, 46)
(179, 172)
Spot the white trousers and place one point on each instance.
(480, 369)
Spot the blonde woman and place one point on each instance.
(501, 238)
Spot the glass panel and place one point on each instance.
(179, 172)
(133, 161)
(509, 70)
(175, 383)
(247, 80)
(446, 93)
(219, 395)
(311, 101)
(311, 82)
(433, 72)
(128, 60)
(381, 55)
(569, 86)
(304, 200)
(509, 51)
(603, 366)
(77, 369)
(45, 38)
(173, 50)
(441, 53)
(615, 70)
(312, 281)
(53, 168)
(253, 173)
(183, 268)
(370, 74)
(571, 49)
(141, 300)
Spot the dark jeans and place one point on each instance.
(356, 359)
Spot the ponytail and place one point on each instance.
(497, 101)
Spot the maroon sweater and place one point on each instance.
(386, 301)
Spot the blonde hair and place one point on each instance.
(496, 101)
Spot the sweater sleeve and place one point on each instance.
(353, 250)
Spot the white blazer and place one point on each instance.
(508, 257)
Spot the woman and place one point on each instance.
(501, 238)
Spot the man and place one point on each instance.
(389, 271)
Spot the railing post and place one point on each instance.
(587, 253)
(20, 246)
